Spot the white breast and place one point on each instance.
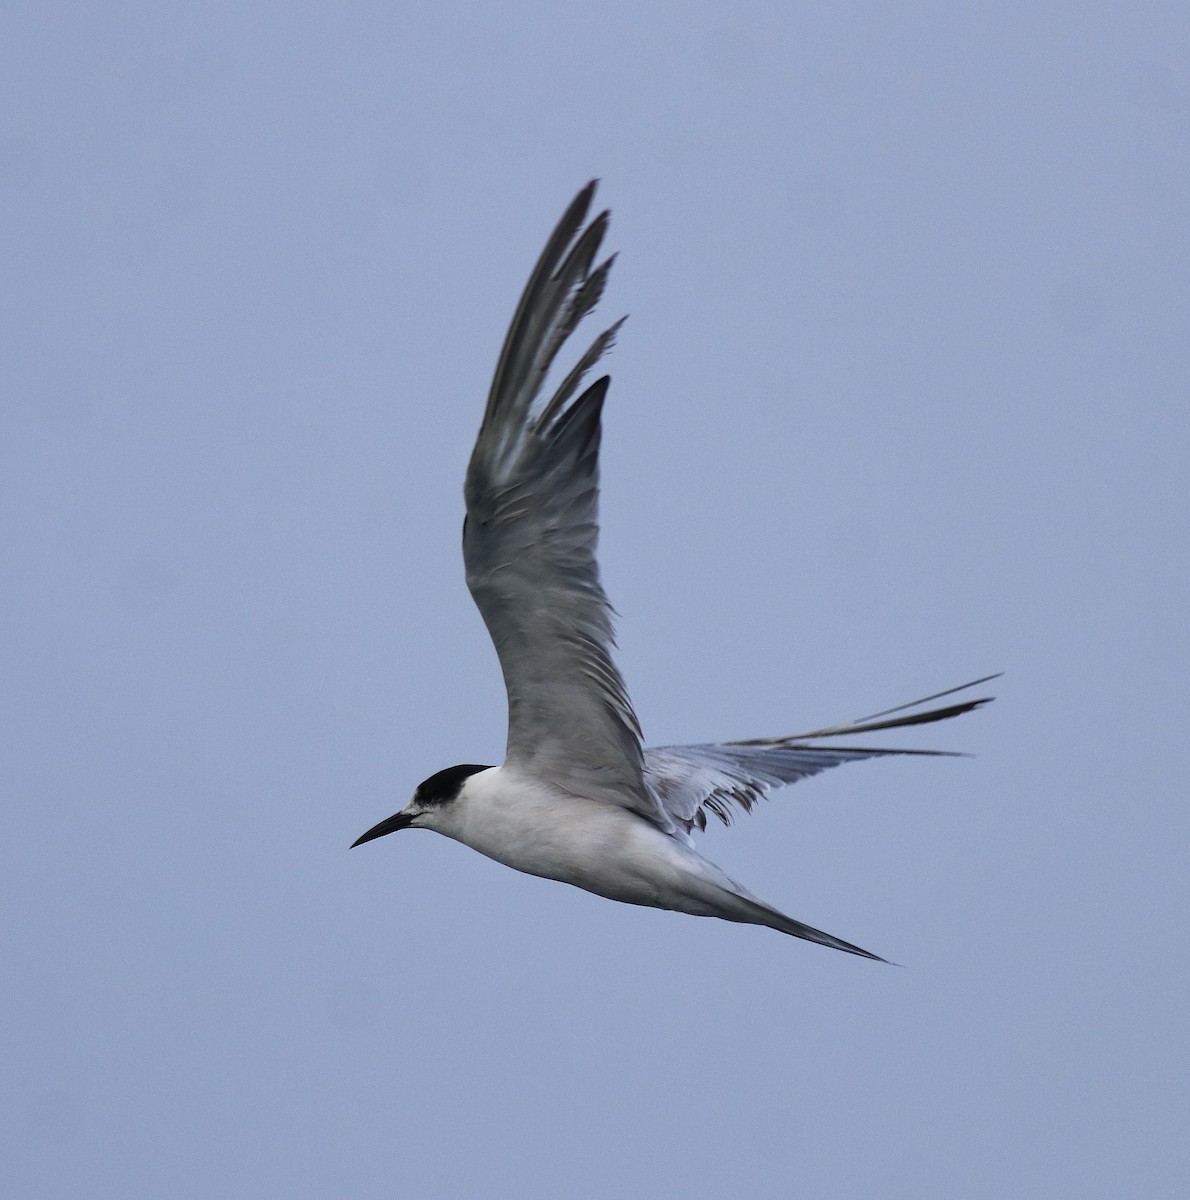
(591, 844)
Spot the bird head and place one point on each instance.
(428, 804)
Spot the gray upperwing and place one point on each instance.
(530, 536)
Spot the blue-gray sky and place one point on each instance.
(902, 400)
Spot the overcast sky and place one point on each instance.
(902, 400)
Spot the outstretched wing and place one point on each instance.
(721, 777)
(530, 536)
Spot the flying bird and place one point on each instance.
(579, 798)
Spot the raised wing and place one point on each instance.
(722, 777)
(530, 536)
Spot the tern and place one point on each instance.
(579, 799)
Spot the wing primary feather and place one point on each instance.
(871, 724)
(925, 718)
(887, 712)
(572, 280)
(588, 407)
(523, 337)
(598, 348)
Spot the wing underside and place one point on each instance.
(723, 778)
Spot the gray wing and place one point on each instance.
(530, 536)
(721, 777)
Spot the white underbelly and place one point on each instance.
(590, 844)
